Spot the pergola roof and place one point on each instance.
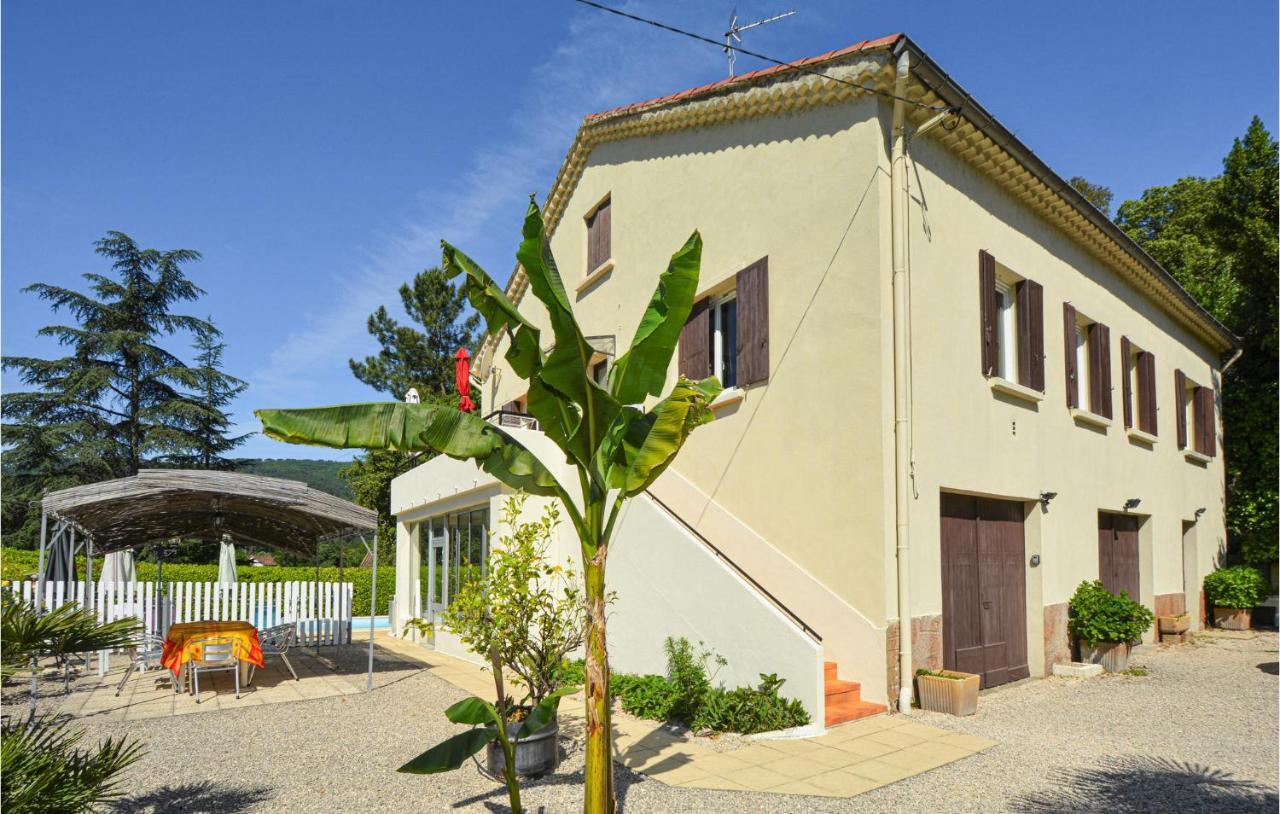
(157, 504)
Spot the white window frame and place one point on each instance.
(1006, 331)
(1082, 365)
(717, 336)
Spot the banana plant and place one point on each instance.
(616, 447)
(489, 723)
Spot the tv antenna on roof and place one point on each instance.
(735, 30)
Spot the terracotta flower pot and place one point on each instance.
(1180, 623)
(957, 695)
(1232, 618)
(1113, 656)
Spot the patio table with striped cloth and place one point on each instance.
(184, 643)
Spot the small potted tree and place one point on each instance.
(1105, 624)
(1234, 592)
(528, 613)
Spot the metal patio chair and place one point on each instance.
(145, 652)
(276, 641)
(216, 655)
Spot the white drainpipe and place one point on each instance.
(901, 386)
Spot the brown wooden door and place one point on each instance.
(984, 624)
(1118, 554)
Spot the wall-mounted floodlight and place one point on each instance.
(1045, 497)
(1199, 512)
(1132, 503)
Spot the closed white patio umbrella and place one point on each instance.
(227, 562)
(118, 567)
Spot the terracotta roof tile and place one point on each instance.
(749, 77)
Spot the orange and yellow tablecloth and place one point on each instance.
(183, 643)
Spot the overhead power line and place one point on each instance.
(782, 63)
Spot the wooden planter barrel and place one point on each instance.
(1113, 656)
(955, 696)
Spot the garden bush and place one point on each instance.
(687, 694)
(19, 564)
(1097, 615)
(1240, 586)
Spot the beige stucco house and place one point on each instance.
(955, 389)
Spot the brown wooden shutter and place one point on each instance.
(1147, 393)
(1069, 345)
(695, 344)
(753, 322)
(1179, 406)
(1031, 334)
(1100, 370)
(987, 307)
(1206, 432)
(599, 236)
(1126, 387)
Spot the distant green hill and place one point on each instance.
(322, 475)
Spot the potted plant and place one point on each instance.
(1105, 624)
(1234, 592)
(528, 611)
(948, 691)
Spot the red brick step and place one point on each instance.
(844, 698)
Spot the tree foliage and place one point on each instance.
(1096, 194)
(210, 422)
(1218, 237)
(119, 397)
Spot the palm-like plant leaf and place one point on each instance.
(450, 754)
(649, 441)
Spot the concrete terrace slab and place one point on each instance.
(843, 762)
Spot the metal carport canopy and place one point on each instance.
(157, 504)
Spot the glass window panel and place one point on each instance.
(729, 342)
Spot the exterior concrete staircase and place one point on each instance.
(844, 698)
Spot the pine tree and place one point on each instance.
(215, 391)
(421, 359)
(118, 399)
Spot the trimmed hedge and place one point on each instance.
(19, 564)
(1240, 586)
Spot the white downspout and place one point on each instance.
(901, 392)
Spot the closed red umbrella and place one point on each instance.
(462, 376)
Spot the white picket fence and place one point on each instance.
(320, 611)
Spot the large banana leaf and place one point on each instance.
(450, 754)
(648, 442)
(415, 427)
(642, 370)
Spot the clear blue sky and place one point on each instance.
(316, 152)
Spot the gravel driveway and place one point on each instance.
(1198, 733)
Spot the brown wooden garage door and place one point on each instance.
(1118, 554)
(984, 599)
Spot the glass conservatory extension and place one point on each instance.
(454, 549)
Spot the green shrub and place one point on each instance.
(749, 710)
(1097, 615)
(1240, 586)
(646, 696)
(687, 672)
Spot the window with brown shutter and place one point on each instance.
(1147, 393)
(1100, 370)
(599, 237)
(1205, 429)
(1069, 360)
(1030, 316)
(695, 360)
(1180, 406)
(987, 308)
(753, 323)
